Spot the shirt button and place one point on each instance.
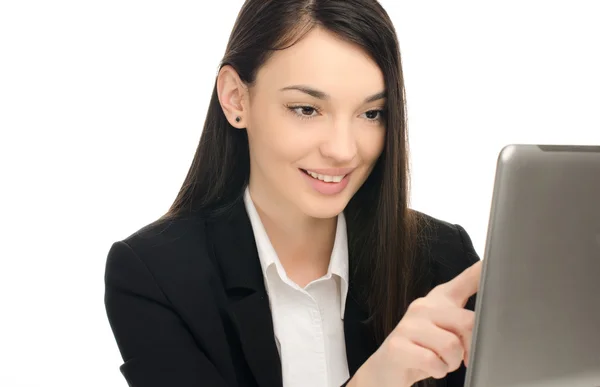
(315, 315)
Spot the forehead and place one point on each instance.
(323, 61)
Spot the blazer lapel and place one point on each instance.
(360, 343)
(237, 257)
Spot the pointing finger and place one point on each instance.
(463, 286)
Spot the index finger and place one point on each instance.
(463, 286)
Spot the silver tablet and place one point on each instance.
(538, 307)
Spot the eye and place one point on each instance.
(374, 115)
(304, 111)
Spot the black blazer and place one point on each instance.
(187, 304)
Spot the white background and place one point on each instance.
(102, 105)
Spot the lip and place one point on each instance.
(331, 188)
(330, 171)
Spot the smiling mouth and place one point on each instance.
(324, 178)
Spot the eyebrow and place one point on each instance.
(324, 96)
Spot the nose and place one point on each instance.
(340, 144)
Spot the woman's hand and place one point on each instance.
(432, 339)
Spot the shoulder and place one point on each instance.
(167, 252)
(447, 247)
(175, 235)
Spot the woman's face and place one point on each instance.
(314, 118)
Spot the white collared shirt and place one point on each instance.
(308, 322)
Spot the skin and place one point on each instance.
(432, 339)
(289, 130)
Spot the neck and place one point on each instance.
(303, 244)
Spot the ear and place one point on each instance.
(232, 94)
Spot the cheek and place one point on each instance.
(272, 136)
(370, 144)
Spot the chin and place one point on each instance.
(325, 208)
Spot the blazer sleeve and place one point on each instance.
(157, 348)
(469, 258)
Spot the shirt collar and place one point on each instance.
(338, 264)
(266, 252)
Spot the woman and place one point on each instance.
(290, 256)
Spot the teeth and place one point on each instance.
(326, 178)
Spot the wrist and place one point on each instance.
(355, 381)
(361, 378)
(371, 375)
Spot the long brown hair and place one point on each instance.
(381, 228)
